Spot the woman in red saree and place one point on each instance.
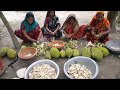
(30, 30)
(99, 29)
(71, 28)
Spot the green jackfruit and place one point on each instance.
(3, 51)
(96, 54)
(11, 53)
(93, 48)
(54, 52)
(69, 52)
(86, 52)
(22, 47)
(76, 52)
(104, 51)
(62, 53)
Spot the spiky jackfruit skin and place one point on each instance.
(69, 52)
(86, 52)
(23, 47)
(62, 53)
(76, 52)
(96, 54)
(3, 51)
(54, 52)
(104, 51)
(11, 53)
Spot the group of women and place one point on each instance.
(97, 30)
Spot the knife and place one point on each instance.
(3, 71)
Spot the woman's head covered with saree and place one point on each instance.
(99, 21)
(29, 22)
(71, 19)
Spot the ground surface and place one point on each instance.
(109, 66)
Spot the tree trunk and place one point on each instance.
(112, 18)
(118, 19)
(14, 39)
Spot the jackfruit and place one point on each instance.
(86, 52)
(11, 53)
(48, 55)
(93, 48)
(76, 52)
(69, 52)
(62, 53)
(22, 47)
(54, 52)
(104, 51)
(96, 54)
(3, 51)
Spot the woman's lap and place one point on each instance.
(47, 34)
(34, 34)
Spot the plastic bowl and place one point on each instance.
(88, 62)
(40, 62)
(60, 43)
(29, 50)
(114, 44)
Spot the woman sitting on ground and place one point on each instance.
(71, 28)
(51, 26)
(99, 29)
(30, 30)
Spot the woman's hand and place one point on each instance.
(33, 40)
(69, 36)
(52, 32)
(55, 32)
(99, 35)
(40, 34)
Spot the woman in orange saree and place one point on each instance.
(99, 28)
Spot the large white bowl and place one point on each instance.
(40, 62)
(115, 44)
(88, 62)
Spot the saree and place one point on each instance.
(31, 30)
(100, 27)
(52, 25)
(74, 28)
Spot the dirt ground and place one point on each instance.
(109, 66)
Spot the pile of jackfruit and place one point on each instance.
(56, 53)
(6, 51)
(69, 50)
(95, 51)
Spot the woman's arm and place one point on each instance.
(58, 27)
(75, 31)
(46, 26)
(93, 31)
(108, 30)
(40, 34)
(62, 28)
(26, 36)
